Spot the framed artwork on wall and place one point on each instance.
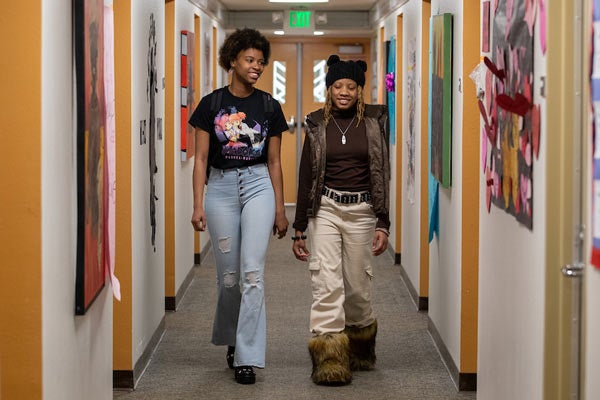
(390, 87)
(440, 98)
(511, 119)
(91, 150)
(187, 94)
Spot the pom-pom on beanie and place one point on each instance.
(339, 69)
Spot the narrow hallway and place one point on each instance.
(187, 366)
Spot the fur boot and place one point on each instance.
(362, 347)
(329, 354)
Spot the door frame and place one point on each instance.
(565, 194)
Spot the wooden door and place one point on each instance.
(283, 79)
(566, 197)
(314, 66)
(279, 79)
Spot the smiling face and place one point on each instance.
(248, 66)
(344, 94)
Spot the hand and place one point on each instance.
(280, 226)
(380, 242)
(199, 219)
(299, 248)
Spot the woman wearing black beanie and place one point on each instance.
(342, 211)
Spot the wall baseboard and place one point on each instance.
(123, 379)
(171, 302)
(207, 247)
(421, 302)
(462, 380)
(128, 379)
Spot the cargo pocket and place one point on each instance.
(318, 284)
(314, 264)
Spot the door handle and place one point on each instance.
(573, 270)
(292, 124)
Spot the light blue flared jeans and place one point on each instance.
(240, 212)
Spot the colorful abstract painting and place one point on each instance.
(91, 147)
(595, 127)
(390, 86)
(440, 95)
(512, 122)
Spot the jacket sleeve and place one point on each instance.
(383, 218)
(304, 186)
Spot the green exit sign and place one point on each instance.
(300, 19)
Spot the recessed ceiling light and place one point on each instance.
(279, 32)
(318, 33)
(298, 1)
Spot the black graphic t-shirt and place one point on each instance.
(240, 130)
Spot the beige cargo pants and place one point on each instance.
(340, 239)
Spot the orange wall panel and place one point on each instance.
(20, 214)
(122, 313)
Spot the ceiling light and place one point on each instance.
(318, 33)
(298, 1)
(279, 32)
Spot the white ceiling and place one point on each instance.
(345, 5)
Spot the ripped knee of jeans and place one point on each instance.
(225, 244)
(252, 278)
(230, 279)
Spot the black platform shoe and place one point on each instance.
(230, 356)
(245, 375)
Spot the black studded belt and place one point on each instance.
(346, 198)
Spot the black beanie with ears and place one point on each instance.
(338, 69)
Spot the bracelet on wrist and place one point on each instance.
(301, 237)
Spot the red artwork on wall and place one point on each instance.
(187, 94)
(91, 148)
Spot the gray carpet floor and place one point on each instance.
(187, 366)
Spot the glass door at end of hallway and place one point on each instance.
(295, 76)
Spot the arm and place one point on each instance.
(380, 238)
(299, 248)
(380, 242)
(199, 178)
(304, 187)
(274, 164)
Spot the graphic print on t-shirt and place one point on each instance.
(240, 137)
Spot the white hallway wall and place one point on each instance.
(591, 354)
(184, 236)
(444, 249)
(444, 283)
(148, 278)
(148, 265)
(77, 350)
(511, 285)
(185, 12)
(511, 257)
(591, 287)
(77, 359)
(411, 210)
